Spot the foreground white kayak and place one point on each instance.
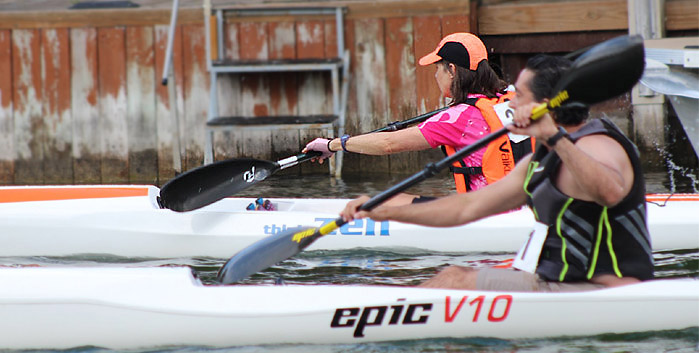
(126, 221)
(122, 308)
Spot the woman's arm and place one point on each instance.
(383, 143)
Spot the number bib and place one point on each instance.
(527, 258)
(506, 115)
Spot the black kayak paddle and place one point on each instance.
(207, 184)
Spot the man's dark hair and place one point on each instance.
(483, 80)
(548, 70)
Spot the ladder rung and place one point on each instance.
(272, 120)
(280, 11)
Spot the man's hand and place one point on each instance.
(352, 212)
(522, 124)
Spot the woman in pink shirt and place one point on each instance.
(463, 75)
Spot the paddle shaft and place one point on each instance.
(400, 125)
(299, 158)
(207, 184)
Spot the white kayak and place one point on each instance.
(125, 220)
(130, 308)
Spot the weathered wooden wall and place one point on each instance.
(82, 105)
(81, 100)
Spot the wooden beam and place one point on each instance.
(552, 17)
(682, 14)
(192, 15)
(574, 16)
(364, 9)
(493, 19)
(95, 18)
(545, 42)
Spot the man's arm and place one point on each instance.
(504, 195)
(596, 168)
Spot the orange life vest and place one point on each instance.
(500, 156)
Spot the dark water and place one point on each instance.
(401, 268)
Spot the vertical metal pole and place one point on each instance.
(219, 33)
(169, 76)
(341, 106)
(340, 29)
(207, 30)
(339, 156)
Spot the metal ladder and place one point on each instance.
(338, 68)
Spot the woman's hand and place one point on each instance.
(321, 145)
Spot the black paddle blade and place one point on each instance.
(207, 184)
(605, 71)
(266, 253)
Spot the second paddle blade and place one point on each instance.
(605, 71)
(263, 254)
(207, 184)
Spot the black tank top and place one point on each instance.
(584, 238)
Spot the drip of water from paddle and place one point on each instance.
(672, 167)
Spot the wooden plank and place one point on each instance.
(140, 109)
(455, 23)
(7, 145)
(193, 15)
(403, 8)
(29, 128)
(553, 17)
(228, 144)
(400, 73)
(213, 38)
(322, 95)
(372, 95)
(283, 91)
(473, 18)
(255, 92)
(58, 160)
(681, 15)
(165, 120)
(351, 160)
(330, 31)
(87, 133)
(314, 90)
(196, 94)
(545, 42)
(427, 35)
(111, 67)
(310, 38)
(400, 68)
(96, 18)
(359, 9)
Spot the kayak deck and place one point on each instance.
(126, 221)
(128, 308)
